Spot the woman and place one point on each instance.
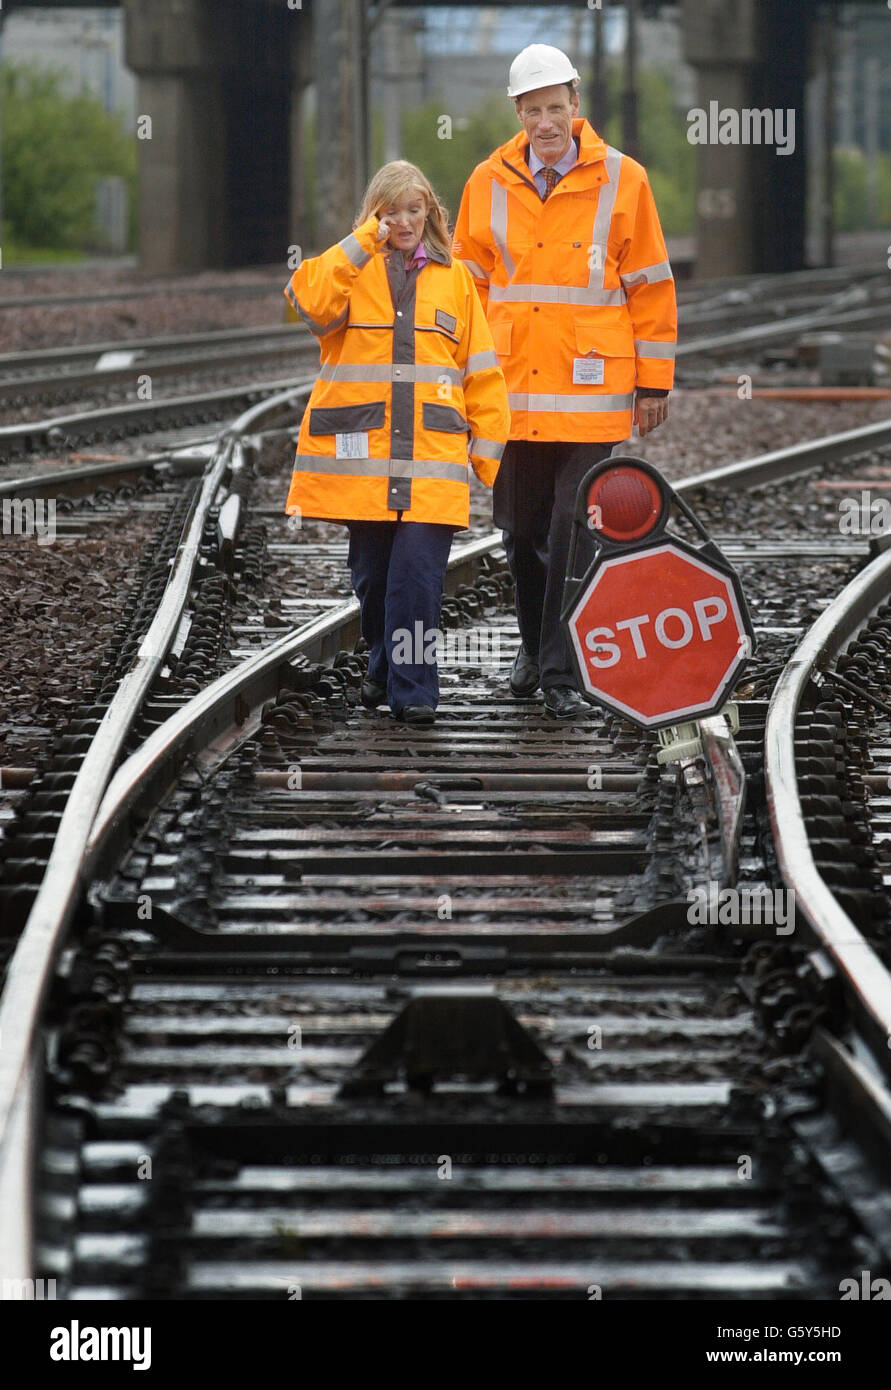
(408, 372)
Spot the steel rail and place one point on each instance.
(237, 355)
(784, 328)
(692, 294)
(248, 289)
(865, 980)
(83, 352)
(785, 463)
(30, 968)
(235, 700)
(83, 479)
(725, 290)
(58, 429)
(728, 787)
(256, 679)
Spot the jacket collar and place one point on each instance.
(432, 255)
(509, 161)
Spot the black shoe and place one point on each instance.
(416, 714)
(372, 693)
(523, 674)
(562, 702)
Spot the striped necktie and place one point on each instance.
(550, 178)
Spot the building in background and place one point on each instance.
(461, 55)
(455, 59)
(86, 45)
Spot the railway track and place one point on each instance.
(226, 288)
(64, 373)
(349, 1010)
(726, 321)
(142, 417)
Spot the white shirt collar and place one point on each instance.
(562, 166)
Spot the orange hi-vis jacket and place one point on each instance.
(578, 290)
(409, 386)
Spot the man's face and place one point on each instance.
(547, 115)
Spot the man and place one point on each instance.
(561, 235)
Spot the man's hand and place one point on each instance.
(649, 412)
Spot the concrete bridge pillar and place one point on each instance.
(341, 116)
(215, 81)
(749, 57)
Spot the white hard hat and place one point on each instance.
(539, 65)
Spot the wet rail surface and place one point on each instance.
(372, 1011)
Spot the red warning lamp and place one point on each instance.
(625, 502)
(657, 627)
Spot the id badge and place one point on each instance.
(587, 371)
(351, 446)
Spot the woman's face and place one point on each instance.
(406, 217)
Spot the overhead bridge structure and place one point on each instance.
(225, 155)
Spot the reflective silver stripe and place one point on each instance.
(517, 401)
(354, 251)
(371, 325)
(477, 361)
(498, 220)
(606, 201)
(555, 294)
(475, 269)
(383, 468)
(486, 448)
(320, 330)
(648, 274)
(386, 371)
(646, 347)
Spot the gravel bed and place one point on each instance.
(63, 599)
(29, 328)
(705, 431)
(61, 602)
(194, 381)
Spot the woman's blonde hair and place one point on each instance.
(397, 179)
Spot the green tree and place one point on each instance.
(54, 149)
(852, 203)
(448, 148)
(666, 153)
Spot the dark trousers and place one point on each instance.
(397, 569)
(534, 504)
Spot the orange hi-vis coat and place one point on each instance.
(578, 289)
(409, 386)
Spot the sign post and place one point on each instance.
(657, 626)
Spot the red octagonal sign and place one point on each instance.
(659, 634)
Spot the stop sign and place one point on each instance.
(659, 633)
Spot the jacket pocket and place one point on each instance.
(611, 340)
(444, 417)
(347, 419)
(501, 331)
